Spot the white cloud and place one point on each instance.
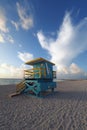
(26, 19)
(43, 40)
(70, 42)
(74, 69)
(71, 72)
(4, 38)
(3, 21)
(10, 71)
(16, 24)
(4, 31)
(10, 39)
(1, 39)
(25, 56)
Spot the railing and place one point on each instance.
(32, 72)
(54, 74)
(38, 73)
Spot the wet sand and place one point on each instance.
(65, 109)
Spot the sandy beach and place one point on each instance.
(65, 109)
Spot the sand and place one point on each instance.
(65, 109)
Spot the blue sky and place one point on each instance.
(52, 29)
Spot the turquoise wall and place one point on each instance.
(45, 65)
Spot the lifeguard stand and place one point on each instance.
(38, 79)
(42, 69)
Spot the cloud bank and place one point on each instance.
(10, 71)
(70, 42)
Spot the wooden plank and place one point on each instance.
(14, 94)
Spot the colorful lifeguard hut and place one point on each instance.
(39, 79)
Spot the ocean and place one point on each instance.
(9, 81)
(15, 81)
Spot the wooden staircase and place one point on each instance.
(19, 89)
(21, 86)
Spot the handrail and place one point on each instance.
(31, 72)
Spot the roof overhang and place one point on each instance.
(38, 60)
